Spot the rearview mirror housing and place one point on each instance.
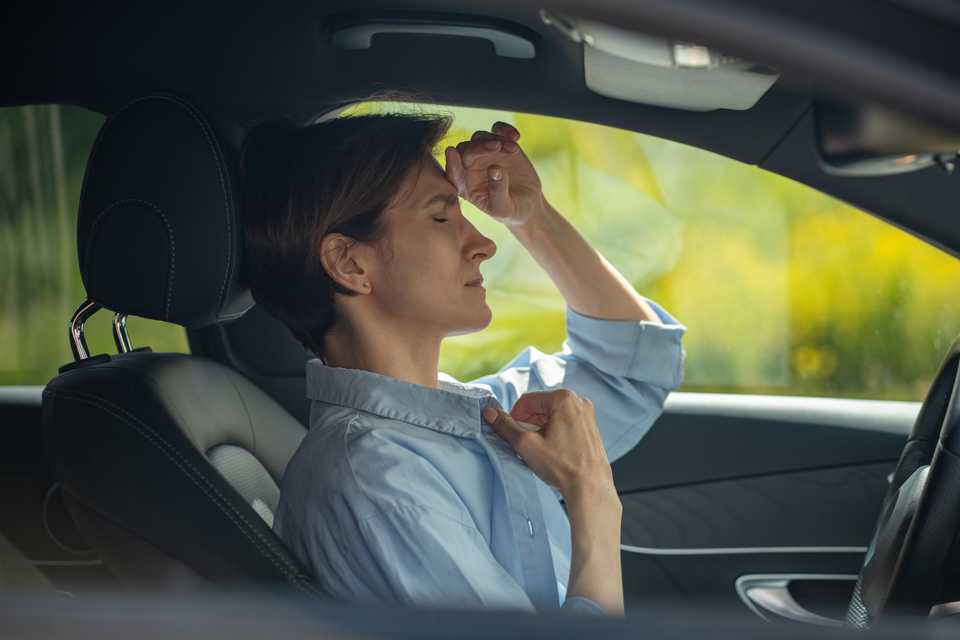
(865, 140)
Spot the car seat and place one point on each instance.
(169, 463)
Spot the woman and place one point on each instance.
(410, 486)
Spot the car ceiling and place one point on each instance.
(243, 61)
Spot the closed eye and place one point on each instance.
(441, 219)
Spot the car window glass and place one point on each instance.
(784, 290)
(43, 152)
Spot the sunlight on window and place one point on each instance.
(784, 289)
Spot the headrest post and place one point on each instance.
(78, 344)
(120, 337)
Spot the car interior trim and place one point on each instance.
(724, 551)
(774, 596)
(889, 416)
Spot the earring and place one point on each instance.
(366, 285)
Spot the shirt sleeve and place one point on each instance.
(625, 367)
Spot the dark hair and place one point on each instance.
(301, 183)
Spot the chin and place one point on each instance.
(478, 322)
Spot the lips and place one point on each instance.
(475, 283)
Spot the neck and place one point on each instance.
(405, 353)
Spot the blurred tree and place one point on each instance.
(43, 152)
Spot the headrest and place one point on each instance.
(158, 233)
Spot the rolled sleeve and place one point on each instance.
(639, 350)
(582, 605)
(626, 367)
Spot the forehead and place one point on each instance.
(423, 182)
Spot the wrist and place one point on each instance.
(539, 217)
(592, 497)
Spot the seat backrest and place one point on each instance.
(170, 463)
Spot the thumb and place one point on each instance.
(499, 187)
(507, 428)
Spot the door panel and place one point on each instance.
(774, 510)
(703, 437)
(725, 487)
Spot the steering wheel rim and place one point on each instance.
(904, 569)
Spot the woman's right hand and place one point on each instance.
(566, 452)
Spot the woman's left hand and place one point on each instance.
(492, 172)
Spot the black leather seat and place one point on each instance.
(169, 463)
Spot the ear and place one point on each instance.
(346, 261)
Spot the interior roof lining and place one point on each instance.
(277, 60)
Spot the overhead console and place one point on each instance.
(617, 63)
(655, 70)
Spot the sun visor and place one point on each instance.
(653, 70)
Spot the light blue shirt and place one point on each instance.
(401, 493)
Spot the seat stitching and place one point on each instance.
(170, 239)
(214, 148)
(151, 436)
(158, 441)
(253, 432)
(166, 449)
(221, 176)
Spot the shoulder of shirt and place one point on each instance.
(374, 454)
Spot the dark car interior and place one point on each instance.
(152, 471)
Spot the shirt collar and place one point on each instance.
(454, 408)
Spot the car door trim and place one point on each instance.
(784, 605)
(723, 551)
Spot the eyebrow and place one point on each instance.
(446, 198)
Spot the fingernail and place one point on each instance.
(496, 174)
(527, 426)
(490, 414)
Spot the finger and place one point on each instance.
(508, 429)
(537, 421)
(483, 135)
(455, 170)
(528, 426)
(499, 188)
(473, 152)
(489, 140)
(506, 130)
(532, 403)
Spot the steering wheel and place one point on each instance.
(906, 564)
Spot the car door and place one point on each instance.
(757, 504)
(813, 331)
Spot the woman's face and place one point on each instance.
(432, 253)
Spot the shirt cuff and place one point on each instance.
(636, 349)
(580, 604)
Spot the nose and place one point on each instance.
(480, 246)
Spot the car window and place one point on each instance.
(784, 290)
(43, 152)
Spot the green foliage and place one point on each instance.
(43, 151)
(783, 289)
